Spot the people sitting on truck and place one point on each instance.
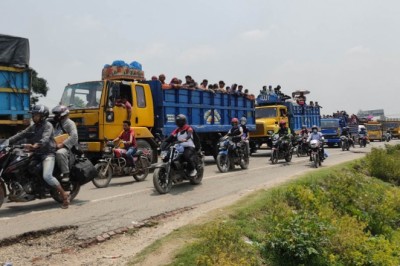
(317, 105)
(301, 99)
(190, 83)
(311, 104)
(316, 135)
(264, 90)
(174, 83)
(124, 103)
(161, 78)
(127, 136)
(246, 93)
(204, 85)
(64, 125)
(233, 89)
(240, 90)
(184, 135)
(221, 86)
(154, 78)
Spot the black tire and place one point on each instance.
(343, 145)
(223, 163)
(142, 144)
(348, 147)
(162, 183)
(104, 177)
(199, 176)
(315, 159)
(73, 192)
(298, 150)
(288, 157)
(142, 168)
(274, 157)
(244, 163)
(2, 194)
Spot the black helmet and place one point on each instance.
(60, 111)
(42, 110)
(180, 120)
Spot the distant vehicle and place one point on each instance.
(374, 130)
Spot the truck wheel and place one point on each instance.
(142, 144)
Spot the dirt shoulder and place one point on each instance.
(60, 248)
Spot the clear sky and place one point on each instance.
(347, 53)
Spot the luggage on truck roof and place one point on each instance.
(14, 51)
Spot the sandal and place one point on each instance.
(65, 203)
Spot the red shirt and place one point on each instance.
(128, 136)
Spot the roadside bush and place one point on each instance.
(223, 244)
(385, 164)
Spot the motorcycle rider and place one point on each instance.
(304, 131)
(236, 130)
(40, 139)
(316, 135)
(184, 135)
(246, 135)
(128, 137)
(347, 134)
(64, 125)
(362, 134)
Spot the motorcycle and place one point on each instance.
(362, 140)
(387, 137)
(21, 175)
(173, 168)
(232, 151)
(114, 162)
(282, 148)
(302, 148)
(316, 153)
(344, 143)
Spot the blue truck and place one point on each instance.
(271, 109)
(153, 112)
(15, 85)
(332, 129)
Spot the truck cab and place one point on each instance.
(331, 129)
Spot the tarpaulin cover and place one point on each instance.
(14, 51)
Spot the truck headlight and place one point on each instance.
(270, 132)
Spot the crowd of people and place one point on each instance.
(191, 84)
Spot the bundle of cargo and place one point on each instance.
(121, 70)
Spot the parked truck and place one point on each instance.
(374, 130)
(15, 85)
(94, 110)
(271, 109)
(332, 129)
(393, 125)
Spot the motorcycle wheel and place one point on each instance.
(348, 147)
(72, 194)
(244, 163)
(2, 194)
(162, 183)
(104, 178)
(223, 163)
(274, 157)
(288, 157)
(343, 146)
(298, 151)
(142, 168)
(199, 177)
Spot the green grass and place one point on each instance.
(344, 215)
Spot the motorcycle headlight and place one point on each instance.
(163, 154)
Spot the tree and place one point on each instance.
(39, 87)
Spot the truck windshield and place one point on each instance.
(266, 112)
(374, 127)
(82, 95)
(329, 124)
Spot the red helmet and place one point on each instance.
(282, 123)
(235, 120)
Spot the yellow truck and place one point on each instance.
(392, 124)
(95, 107)
(374, 130)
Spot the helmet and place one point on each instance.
(304, 127)
(180, 120)
(60, 111)
(42, 110)
(243, 120)
(235, 120)
(314, 127)
(282, 123)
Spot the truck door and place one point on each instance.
(142, 106)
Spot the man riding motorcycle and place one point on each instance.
(304, 131)
(184, 135)
(246, 135)
(236, 130)
(346, 133)
(40, 139)
(128, 137)
(283, 129)
(316, 135)
(64, 125)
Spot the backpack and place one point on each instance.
(83, 171)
